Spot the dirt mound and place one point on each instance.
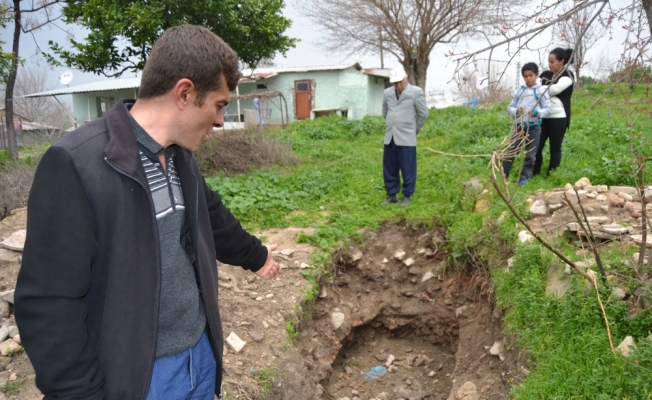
(239, 152)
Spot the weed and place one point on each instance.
(265, 378)
(12, 388)
(291, 329)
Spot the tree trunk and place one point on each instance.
(647, 6)
(11, 82)
(417, 71)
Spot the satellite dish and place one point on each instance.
(65, 78)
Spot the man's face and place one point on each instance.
(530, 78)
(201, 119)
(400, 85)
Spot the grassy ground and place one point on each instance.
(337, 189)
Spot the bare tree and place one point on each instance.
(485, 82)
(408, 29)
(34, 16)
(44, 110)
(575, 33)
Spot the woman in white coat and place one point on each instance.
(560, 82)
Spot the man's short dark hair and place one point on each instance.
(530, 67)
(192, 52)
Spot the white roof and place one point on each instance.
(100, 86)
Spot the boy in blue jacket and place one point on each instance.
(530, 103)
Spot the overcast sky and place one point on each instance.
(307, 53)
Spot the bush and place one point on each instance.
(15, 182)
(240, 152)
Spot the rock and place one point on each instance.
(615, 229)
(510, 262)
(256, 336)
(633, 207)
(467, 389)
(399, 255)
(599, 220)
(4, 309)
(15, 241)
(323, 293)
(592, 195)
(618, 292)
(555, 207)
(557, 282)
(601, 197)
(385, 260)
(623, 189)
(626, 346)
(343, 398)
(427, 276)
(498, 349)
(383, 396)
(605, 208)
(357, 256)
(259, 298)
(568, 186)
(12, 377)
(304, 266)
(583, 183)
(17, 339)
(525, 237)
(555, 198)
(392, 368)
(390, 360)
(4, 333)
(474, 184)
(9, 256)
(408, 262)
(337, 319)
(598, 188)
(4, 378)
(616, 201)
(287, 252)
(9, 347)
(235, 342)
(638, 239)
(431, 374)
(539, 207)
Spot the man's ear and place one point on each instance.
(184, 93)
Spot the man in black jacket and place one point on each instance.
(117, 294)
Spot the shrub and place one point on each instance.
(240, 152)
(15, 182)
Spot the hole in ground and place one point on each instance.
(394, 300)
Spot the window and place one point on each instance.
(104, 104)
(302, 87)
(261, 86)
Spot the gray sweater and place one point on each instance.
(404, 116)
(181, 315)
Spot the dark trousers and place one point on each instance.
(529, 135)
(555, 129)
(403, 159)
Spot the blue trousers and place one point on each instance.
(189, 375)
(401, 159)
(528, 137)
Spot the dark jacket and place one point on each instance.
(87, 295)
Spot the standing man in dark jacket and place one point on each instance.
(405, 111)
(117, 294)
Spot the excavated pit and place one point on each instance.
(392, 305)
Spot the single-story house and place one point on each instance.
(28, 133)
(267, 95)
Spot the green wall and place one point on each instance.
(81, 101)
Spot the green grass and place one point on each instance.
(265, 378)
(337, 189)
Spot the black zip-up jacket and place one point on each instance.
(87, 295)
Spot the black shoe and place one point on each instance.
(405, 202)
(389, 200)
